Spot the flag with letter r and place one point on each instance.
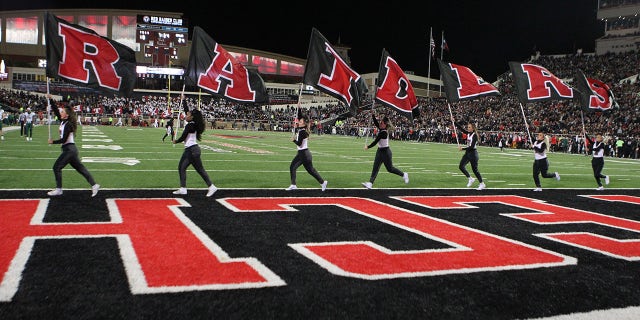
(79, 55)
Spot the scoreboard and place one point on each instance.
(161, 31)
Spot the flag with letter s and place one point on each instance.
(79, 55)
(594, 95)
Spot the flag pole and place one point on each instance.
(430, 55)
(453, 123)
(526, 125)
(48, 109)
(295, 114)
(584, 131)
(175, 132)
(441, 57)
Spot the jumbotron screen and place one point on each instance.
(161, 31)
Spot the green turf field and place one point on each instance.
(136, 158)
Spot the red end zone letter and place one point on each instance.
(471, 250)
(162, 250)
(545, 213)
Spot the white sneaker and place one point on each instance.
(600, 188)
(2, 137)
(367, 185)
(557, 176)
(94, 189)
(212, 190)
(606, 179)
(471, 181)
(537, 189)
(406, 177)
(291, 187)
(481, 186)
(324, 185)
(181, 191)
(55, 192)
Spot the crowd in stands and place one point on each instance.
(497, 118)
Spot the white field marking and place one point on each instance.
(133, 129)
(501, 181)
(125, 161)
(101, 146)
(516, 184)
(97, 140)
(628, 313)
(206, 147)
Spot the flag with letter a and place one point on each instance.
(328, 72)
(215, 70)
(79, 55)
(460, 83)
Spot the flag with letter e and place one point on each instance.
(81, 56)
(215, 70)
(594, 95)
(394, 88)
(328, 72)
(460, 83)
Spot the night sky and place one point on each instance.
(482, 35)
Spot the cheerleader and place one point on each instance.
(541, 163)
(303, 157)
(383, 154)
(191, 134)
(69, 155)
(597, 162)
(470, 155)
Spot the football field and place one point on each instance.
(135, 157)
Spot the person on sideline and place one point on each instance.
(383, 154)
(191, 134)
(29, 119)
(1, 123)
(303, 157)
(69, 155)
(470, 155)
(169, 131)
(597, 162)
(541, 163)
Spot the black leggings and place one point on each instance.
(303, 158)
(384, 155)
(69, 155)
(191, 156)
(598, 164)
(470, 156)
(541, 166)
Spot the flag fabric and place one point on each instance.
(215, 70)
(445, 46)
(394, 88)
(80, 56)
(460, 83)
(536, 83)
(432, 46)
(326, 71)
(593, 94)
